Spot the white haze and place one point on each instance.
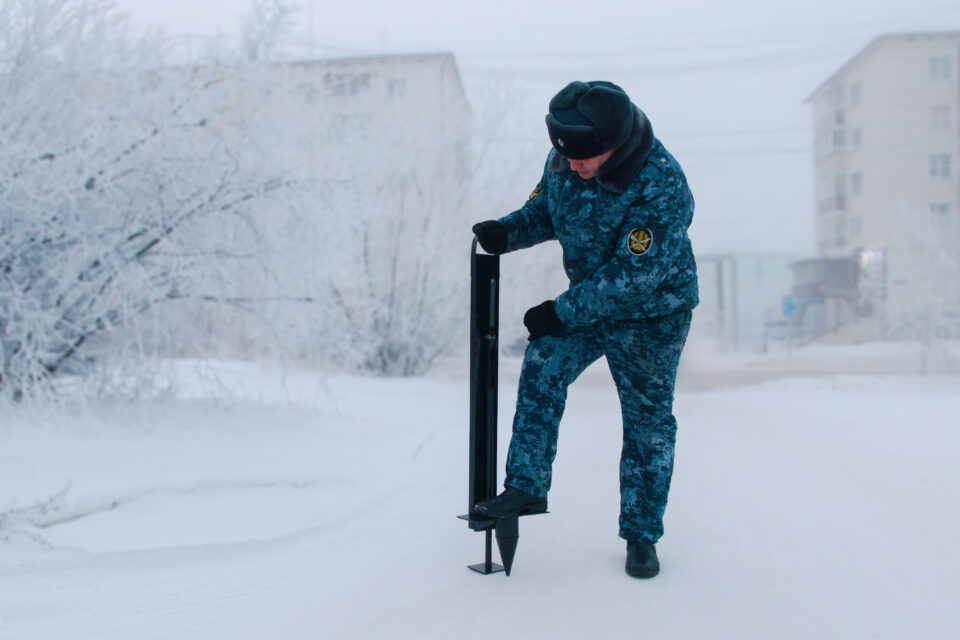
(815, 488)
(723, 83)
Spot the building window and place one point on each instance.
(855, 138)
(855, 95)
(346, 84)
(940, 212)
(856, 183)
(839, 138)
(397, 86)
(940, 68)
(940, 117)
(940, 166)
(840, 229)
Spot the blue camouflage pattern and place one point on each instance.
(633, 285)
(593, 224)
(642, 356)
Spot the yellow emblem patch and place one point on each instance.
(536, 192)
(639, 241)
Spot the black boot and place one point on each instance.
(642, 560)
(511, 503)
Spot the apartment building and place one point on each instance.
(887, 184)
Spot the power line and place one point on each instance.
(754, 151)
(742, 64)
(647, 51)
(737, 132)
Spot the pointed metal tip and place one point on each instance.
(508, 535)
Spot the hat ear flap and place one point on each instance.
(568, 96)
(611, 109)
(602, 104)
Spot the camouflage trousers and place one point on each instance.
(643, 356)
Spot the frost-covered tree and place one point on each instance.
(268, 22)
(147, 209)
(926, 266)
(396, 276)
(119, 181)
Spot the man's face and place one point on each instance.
(588, 167)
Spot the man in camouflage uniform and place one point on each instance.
(619, 204)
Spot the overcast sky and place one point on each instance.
(722, 82)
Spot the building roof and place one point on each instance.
(875, 44)
(442, 57)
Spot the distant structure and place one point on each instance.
(886, 147)
(742, 302)
(346, 118)
(382, 143)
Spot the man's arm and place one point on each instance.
(650, 249)
(531, 223)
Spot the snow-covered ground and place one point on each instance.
(302, 507)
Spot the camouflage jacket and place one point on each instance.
(623, 233)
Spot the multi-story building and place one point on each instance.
(887, 183)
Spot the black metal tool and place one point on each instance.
(484, 350)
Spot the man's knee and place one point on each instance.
(556, 361)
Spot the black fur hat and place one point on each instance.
(588, 119)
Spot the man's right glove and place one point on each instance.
(542, 320)
(492, 235)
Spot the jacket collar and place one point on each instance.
(618, 172)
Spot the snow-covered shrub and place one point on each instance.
(119, 183)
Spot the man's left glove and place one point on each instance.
(492, 235)
(542, 320)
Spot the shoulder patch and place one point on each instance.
(535, 194)
(639, 241)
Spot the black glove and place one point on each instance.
(492, 235)
(542, 320)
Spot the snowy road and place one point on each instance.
(802, 508)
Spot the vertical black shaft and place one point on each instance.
(484, 338)
(488, 552)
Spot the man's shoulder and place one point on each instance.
(660, 168)
(660, 160)
(661, 183)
